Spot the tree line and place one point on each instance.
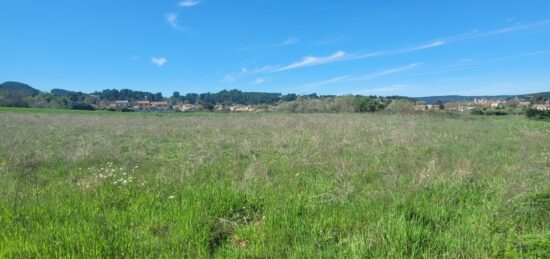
(16, 94)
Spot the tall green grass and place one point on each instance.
(273, 185)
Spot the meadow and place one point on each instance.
(271, 185)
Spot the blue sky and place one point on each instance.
(414, 48)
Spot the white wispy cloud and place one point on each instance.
(366, 77)
(173, 20)
(502, 31)
(229, 78)
(343, 56)
(466, 36)
(159, 61)
(189, 3)
(524, 55)
(232, 77)
(313, 61)
(514, 28)
(259, 81)
(473, 63)
(385, 72)
(309, 61)
(434, 44)
(340, 55)
(327, 41)
(383, 90)
(288, 41)
(327, 82)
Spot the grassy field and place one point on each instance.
(86, 184)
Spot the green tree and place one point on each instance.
(441, 105)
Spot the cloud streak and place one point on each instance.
(288, 41)
(173, 20)
(259, 81)
(365, 77)
(159, 62)
(313, 61)
(434, 44)
(341, 55)
(189, 3)
(338, 56)
(232, 77)
(384, 90)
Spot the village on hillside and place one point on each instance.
(494, 104)
(468, 106)
(15, 94)
(482, 103)
(165, 106)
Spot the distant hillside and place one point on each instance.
(62, 92)
(542, 94)
(15, 94)
(460, 98)
(16, 88)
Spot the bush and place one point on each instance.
(488, 112)
(365, 104)
(401, 107)
(477, 112)
(537, 114)
(82, 106)
(343, 104)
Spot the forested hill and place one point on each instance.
(14, 94)
(16, 88)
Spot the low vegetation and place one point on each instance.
(538, 114)
(101, 184)
(343, 104)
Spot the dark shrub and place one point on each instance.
(127, 110)
(476, 112)
(366, 104)
(537, 114)
(82, 106)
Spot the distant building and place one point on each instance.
(459, 108)
(420, 107)
(541, 107)
(497, 104)
(425, 107)
(189, 107)
(143, 105)
(119, 104)
(484, 102)
(159, 106)
(241, 108)
(523, 104)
